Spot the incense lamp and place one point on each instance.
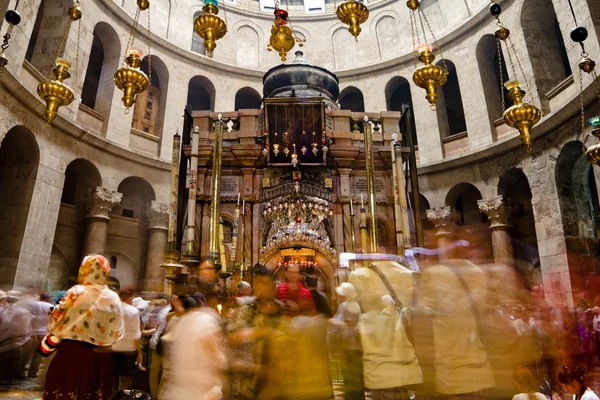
(54, 92)
(353, 13)
(429, 76)
(521, 115)
(209, 26)
(282, 38)
(130, 79)
(593, 152)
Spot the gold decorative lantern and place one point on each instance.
(521, 115)
(130, 79)
(53, 90)
(209, 26)
(593, 152)
(427, 76)
(282, 36)
(353, 13)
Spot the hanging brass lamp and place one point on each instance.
(593, 152)
(521, 115)
(209, 26)
(130, 79)
(282, 36)
(53, 90)
(13, 18)
(353, 13)
(429, 76)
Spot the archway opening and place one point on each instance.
(398, 94)
(201, 94)
(247, 99)
(450, 106)
(351, 98)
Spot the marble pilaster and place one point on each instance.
(100, 202)
(157, 217)
(498, 213)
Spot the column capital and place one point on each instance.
(100, 202)
(345, 171)
(443, 220)
(497, 211)
(157, 215)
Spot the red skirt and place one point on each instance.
(79, 371)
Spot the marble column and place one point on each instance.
(157, 217)
(444, 229)
(498, 213)
(99, 204)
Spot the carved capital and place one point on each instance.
(442, 219)
(100, 202)
(157, 215)
(497, 211)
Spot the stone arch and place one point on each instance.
(197, 41)
(397, 94)
(351, 98)
(450, 111)
(105, 57)
(247, 98)
(150, 106)
(81, 175)
(387, 31)
(58, 271)
(514, 187)
(137, 194)
(550, 62)
(248, 47)
(492, 77)
(201, 93)
(126, 272)
(463, 200)
(50, 23)
(19, 160)
(345, 49)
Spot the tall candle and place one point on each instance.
(238, 203)
(351, 209)
(362, 203)
(244, 207)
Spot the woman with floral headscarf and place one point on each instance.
(83, 327)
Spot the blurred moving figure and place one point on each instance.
(455, 290)
(86, 322)
(390, 362)
(295, 297)
(40, 312)
(526, 384)
(128, 350)
(320, 302)
(347, 321)
(155, 357)
(195, 354)
(15, 334)
(573, 380)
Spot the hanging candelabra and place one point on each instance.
(53, 90)
(428, 76)
(522, 115)
(282, 37)
(13, 18)
(130, 78)
(353, 14)
(209, 26)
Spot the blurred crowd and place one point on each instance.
(449, 329)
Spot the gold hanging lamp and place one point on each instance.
(427, 76)
(353, 14)
(209, 26)
(522, 115)
(282, 37)
(130, 78)
(53, 90)
(13, 18)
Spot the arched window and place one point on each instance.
(494, 74)
(549, 61)
(463, 200)
(351, 98)
(247, 47)
(201, 94)
(247, 99)
(450, 106)
(113, 262)
(197, 41)
(398, 94)
(149, 111)
(137, 193)
(387, 37)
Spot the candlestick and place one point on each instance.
(243, 206)
(362, 202)
(351, 209)
(238, 202)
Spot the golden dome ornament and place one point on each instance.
(130, 79)
(54, 92)
(209, 26)
(353, 14)
(521, 115)
(429, 76)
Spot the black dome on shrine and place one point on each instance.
(300, 79)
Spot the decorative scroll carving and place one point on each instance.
(497, 211)
(101, 201)
(442, 219)
(157, 215)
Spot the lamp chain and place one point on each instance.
(76, 77)
(527, 85)
(61, 46)
(581, 104)
(414, 39)
(132, 34)
(499, 45)
(149, 56)
(439, 49)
